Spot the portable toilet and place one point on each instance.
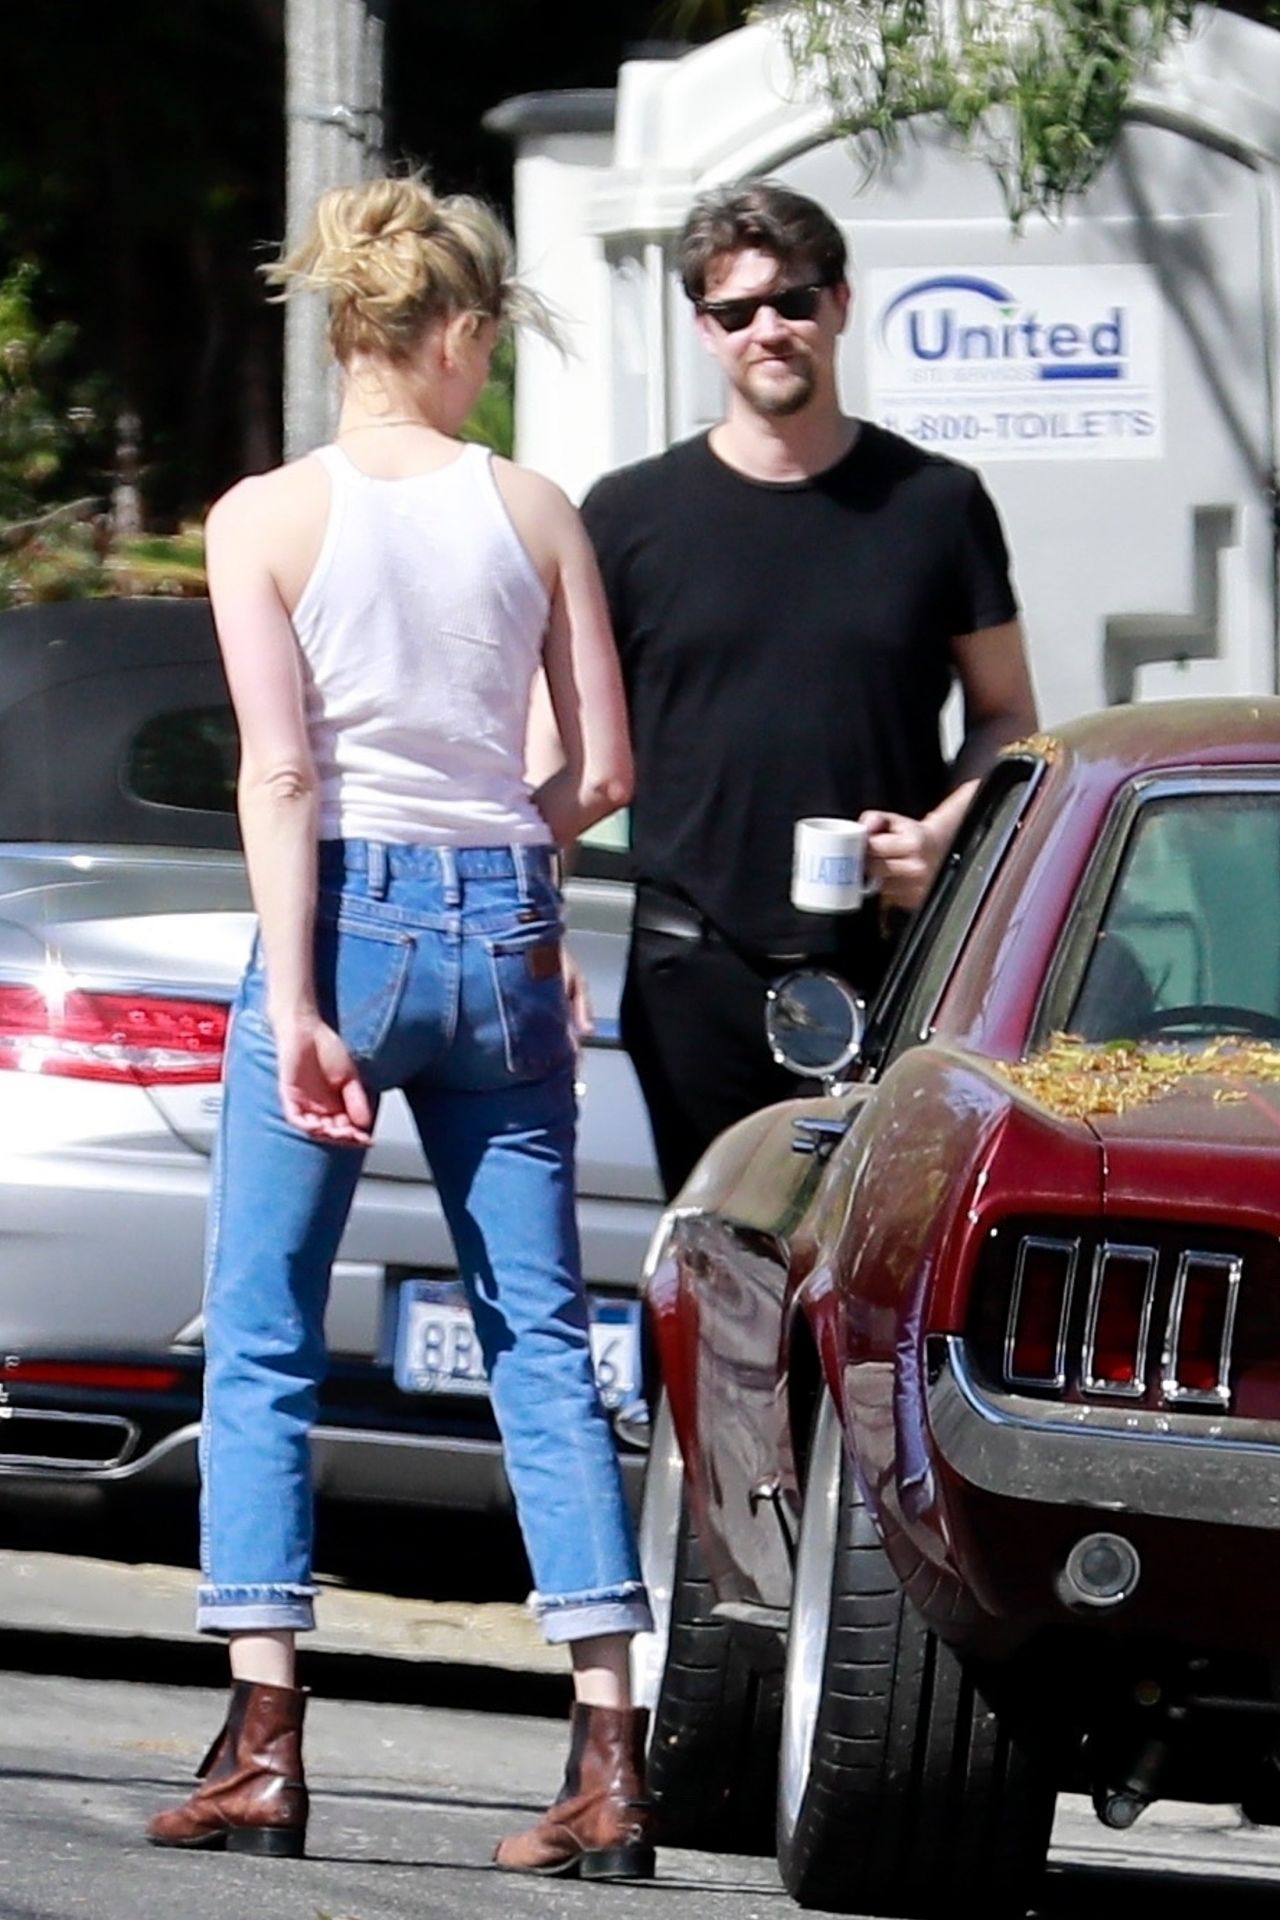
(1114, 375)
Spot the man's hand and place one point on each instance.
(904, 854)
(320, 1090)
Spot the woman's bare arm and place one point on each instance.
(277, 804)
(579, 746)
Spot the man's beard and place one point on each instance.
(779, 400)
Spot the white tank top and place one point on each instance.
(421, 628)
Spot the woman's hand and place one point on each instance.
(578, 994)
(320, 1090)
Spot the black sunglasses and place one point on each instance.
(789, 303)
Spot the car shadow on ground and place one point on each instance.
(1121, 1893)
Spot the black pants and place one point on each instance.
(693, 1022)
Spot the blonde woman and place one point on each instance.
(383, 607)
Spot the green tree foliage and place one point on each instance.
(48, 543)
(142, 166)
(141, 163)
(53, 545)
(1039, 86)
(34, 431)
(492, 420)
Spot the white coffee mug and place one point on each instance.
(828, 872)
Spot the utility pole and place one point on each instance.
(333, 91)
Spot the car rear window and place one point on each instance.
(185, 759)
(1189, 939)
(188, 759)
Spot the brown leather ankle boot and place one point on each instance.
(601, 1825)
(252, 1796)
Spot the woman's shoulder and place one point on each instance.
(542, 515)
(541, 510)
(533, 489)
(259, 499)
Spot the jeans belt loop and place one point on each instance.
(520, 862)
(376, 879)
(449, 879)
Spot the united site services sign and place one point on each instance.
(1030, 363)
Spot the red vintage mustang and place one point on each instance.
(965, 1484)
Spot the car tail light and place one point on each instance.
(1198, 1339)
(74, 1373)
(137, 1039)
(1118, 1320)
(1036, 1334)
(1167, 1320)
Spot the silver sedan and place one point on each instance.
(124, 923)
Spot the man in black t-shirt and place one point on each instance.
(792, 595)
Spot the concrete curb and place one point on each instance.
(60, 1593)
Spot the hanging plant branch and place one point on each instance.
(1039, 87)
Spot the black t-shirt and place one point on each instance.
(786, 651)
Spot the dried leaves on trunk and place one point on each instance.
(1082, 1080)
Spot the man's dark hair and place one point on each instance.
(796, 230)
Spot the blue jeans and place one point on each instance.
(439, 968)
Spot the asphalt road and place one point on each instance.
(436, 1725)
(409, 1800)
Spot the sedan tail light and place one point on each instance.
(134, 1039)
(118, 1377)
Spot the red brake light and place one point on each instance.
(66, 1373)
(1203, 1315)
(1035, 1339)
(135, 1039)
(1119, 1316)
(1198, 1340)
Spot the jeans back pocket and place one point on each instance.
(528, 983)
(361, 970)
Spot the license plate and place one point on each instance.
(437, 1349)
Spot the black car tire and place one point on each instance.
(898, 1788)
(714, 1714)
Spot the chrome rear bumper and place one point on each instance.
(1113, 1460)
(347, 1464)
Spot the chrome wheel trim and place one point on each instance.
(810, 1622)
(658, 1541)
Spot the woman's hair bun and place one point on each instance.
(390, 206)
(393, 258)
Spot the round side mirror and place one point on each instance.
(814, 1024)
